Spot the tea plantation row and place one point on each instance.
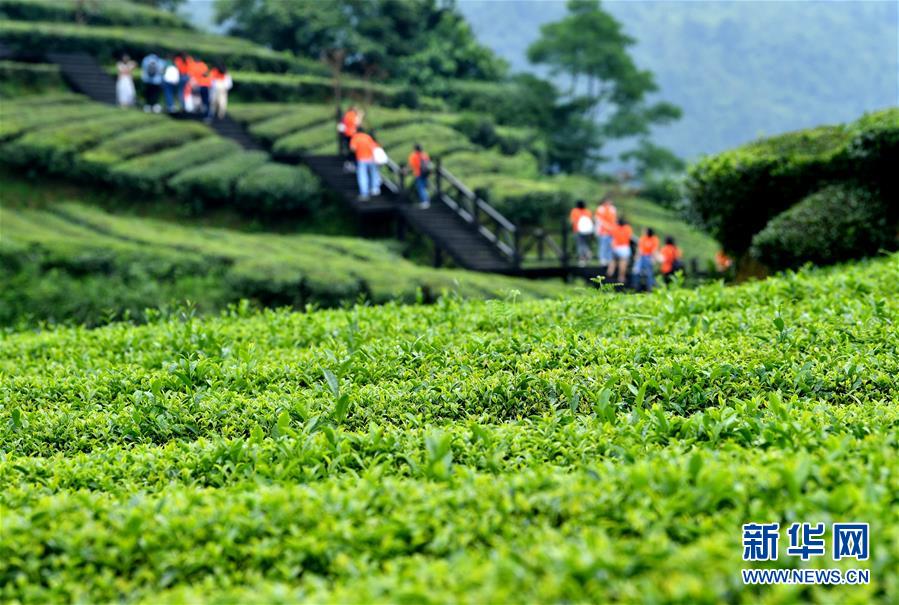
(66, 135)
(598, 448)
(73, 263)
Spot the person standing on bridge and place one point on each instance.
(671, 259)
(420, 165)
(606, 220)
(151, 69)
(348, 126)
(124, 86)
(648, 248)
(582, 225)
(221, 84)
(621, 248)
(367, 175)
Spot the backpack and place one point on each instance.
(584, 225)
(424, 168)
(152, 69)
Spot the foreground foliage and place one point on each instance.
(599, 448)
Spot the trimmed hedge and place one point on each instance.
(18, 118)
(737, 192)
(105, 12)
(835, 224)
(254, 86)
(273, 189)
(296, 119)
(18, 78)
(148, 173)
(214, 181)
(111, 41)
(323, 136)
(55, 148)
(467, 164)
(150, 139)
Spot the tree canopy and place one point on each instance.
(410, 40)
(591, 48)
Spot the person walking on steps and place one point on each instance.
(183, 63)
(124, 86)
(606, 219)
(648, 248)
(202, 81)
(671, 259)
(151, 69)
(348, 127)
(367, 175)
(171, 79)
(621, 248)
(420, 165)
(221, 84)
(582, 225)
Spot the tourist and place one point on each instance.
(648, 248)
(606, 219)
(367, 175)
(348, 126)
(582, 225)
(671, 259)
(420, 164)
(171, 81)
(124, 86)
(151, 69)
(200, 81)
(621, 248)
(722, 262)
(221, 84)
(183, 63)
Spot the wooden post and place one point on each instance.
(694, 266)
(564, 243)
(540, 235)
(339, 134)
(516, 239)
(438, 180)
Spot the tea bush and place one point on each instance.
(148, 172)
(274, 189)
(835, 224)
(737, 192)
(213, 183)
(73, 263)
(99, 13)
(596, 448)
(108, 41)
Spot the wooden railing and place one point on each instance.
(536, 247)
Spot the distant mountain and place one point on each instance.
(739, 70)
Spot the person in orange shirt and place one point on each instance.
(606, 219)
(202, 81)
(367, 175)
(182, 62)
(621, 248)
(648, 247)
(671, 258)
(722, 261)
(582, 225)
(348, 126)
(420, 165)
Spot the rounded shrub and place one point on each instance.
(837, 223)
(278, 189)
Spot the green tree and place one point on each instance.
(591, 48)
(411, 40)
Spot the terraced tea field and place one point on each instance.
(600, 448)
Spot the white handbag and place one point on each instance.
(380, 156)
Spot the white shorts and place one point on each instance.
(621, 252)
